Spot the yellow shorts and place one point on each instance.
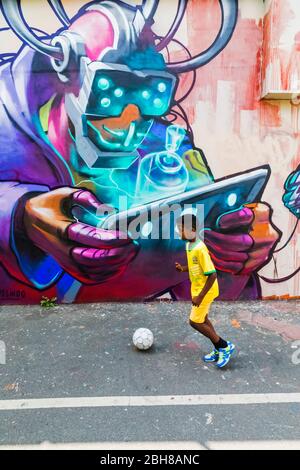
(198, 314)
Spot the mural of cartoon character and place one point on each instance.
(78, 117)
(291, 197)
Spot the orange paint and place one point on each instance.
(130, 114)
(270, 114)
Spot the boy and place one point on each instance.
(204, 289)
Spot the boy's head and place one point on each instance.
(188, 226)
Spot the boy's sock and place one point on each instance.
(221, 344)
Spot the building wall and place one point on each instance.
(240, 112)
(262, 56)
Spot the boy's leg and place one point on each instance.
(207, 320)
(221, 343)
(207, 330)
(199, 321)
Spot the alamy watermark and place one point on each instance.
(155, 221)
(2, 353)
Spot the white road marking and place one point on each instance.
(161, 445)
(146, 445)
(159, 400)
(253, 445)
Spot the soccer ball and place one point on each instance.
(143, 338)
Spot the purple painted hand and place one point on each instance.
(244, 241)
(91, 255)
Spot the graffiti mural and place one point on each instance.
(105, 108)
(291, 197)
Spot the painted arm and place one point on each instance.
(39, 238)
(21, 259)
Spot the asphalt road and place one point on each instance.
(76, 352)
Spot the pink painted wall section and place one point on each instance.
(281, 47)
(238, 129)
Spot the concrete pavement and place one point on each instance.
(84, 352)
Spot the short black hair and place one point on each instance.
(188, 219)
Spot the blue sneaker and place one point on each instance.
(225, 355)
(211, 357)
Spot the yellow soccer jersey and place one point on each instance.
(200, 266)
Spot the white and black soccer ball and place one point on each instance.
(143, 338)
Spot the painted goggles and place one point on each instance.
(116, 86)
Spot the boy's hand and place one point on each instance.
(179, 267)
(196, 301)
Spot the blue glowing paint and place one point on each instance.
(157, 103)
(105, 102)
(146, 94)
(231, 199)
(103, 83)
(162, 87)
(118, 92)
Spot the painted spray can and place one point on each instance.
(162, 174)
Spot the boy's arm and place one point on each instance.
(208, 285)
(209, 270)
(182, 269)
